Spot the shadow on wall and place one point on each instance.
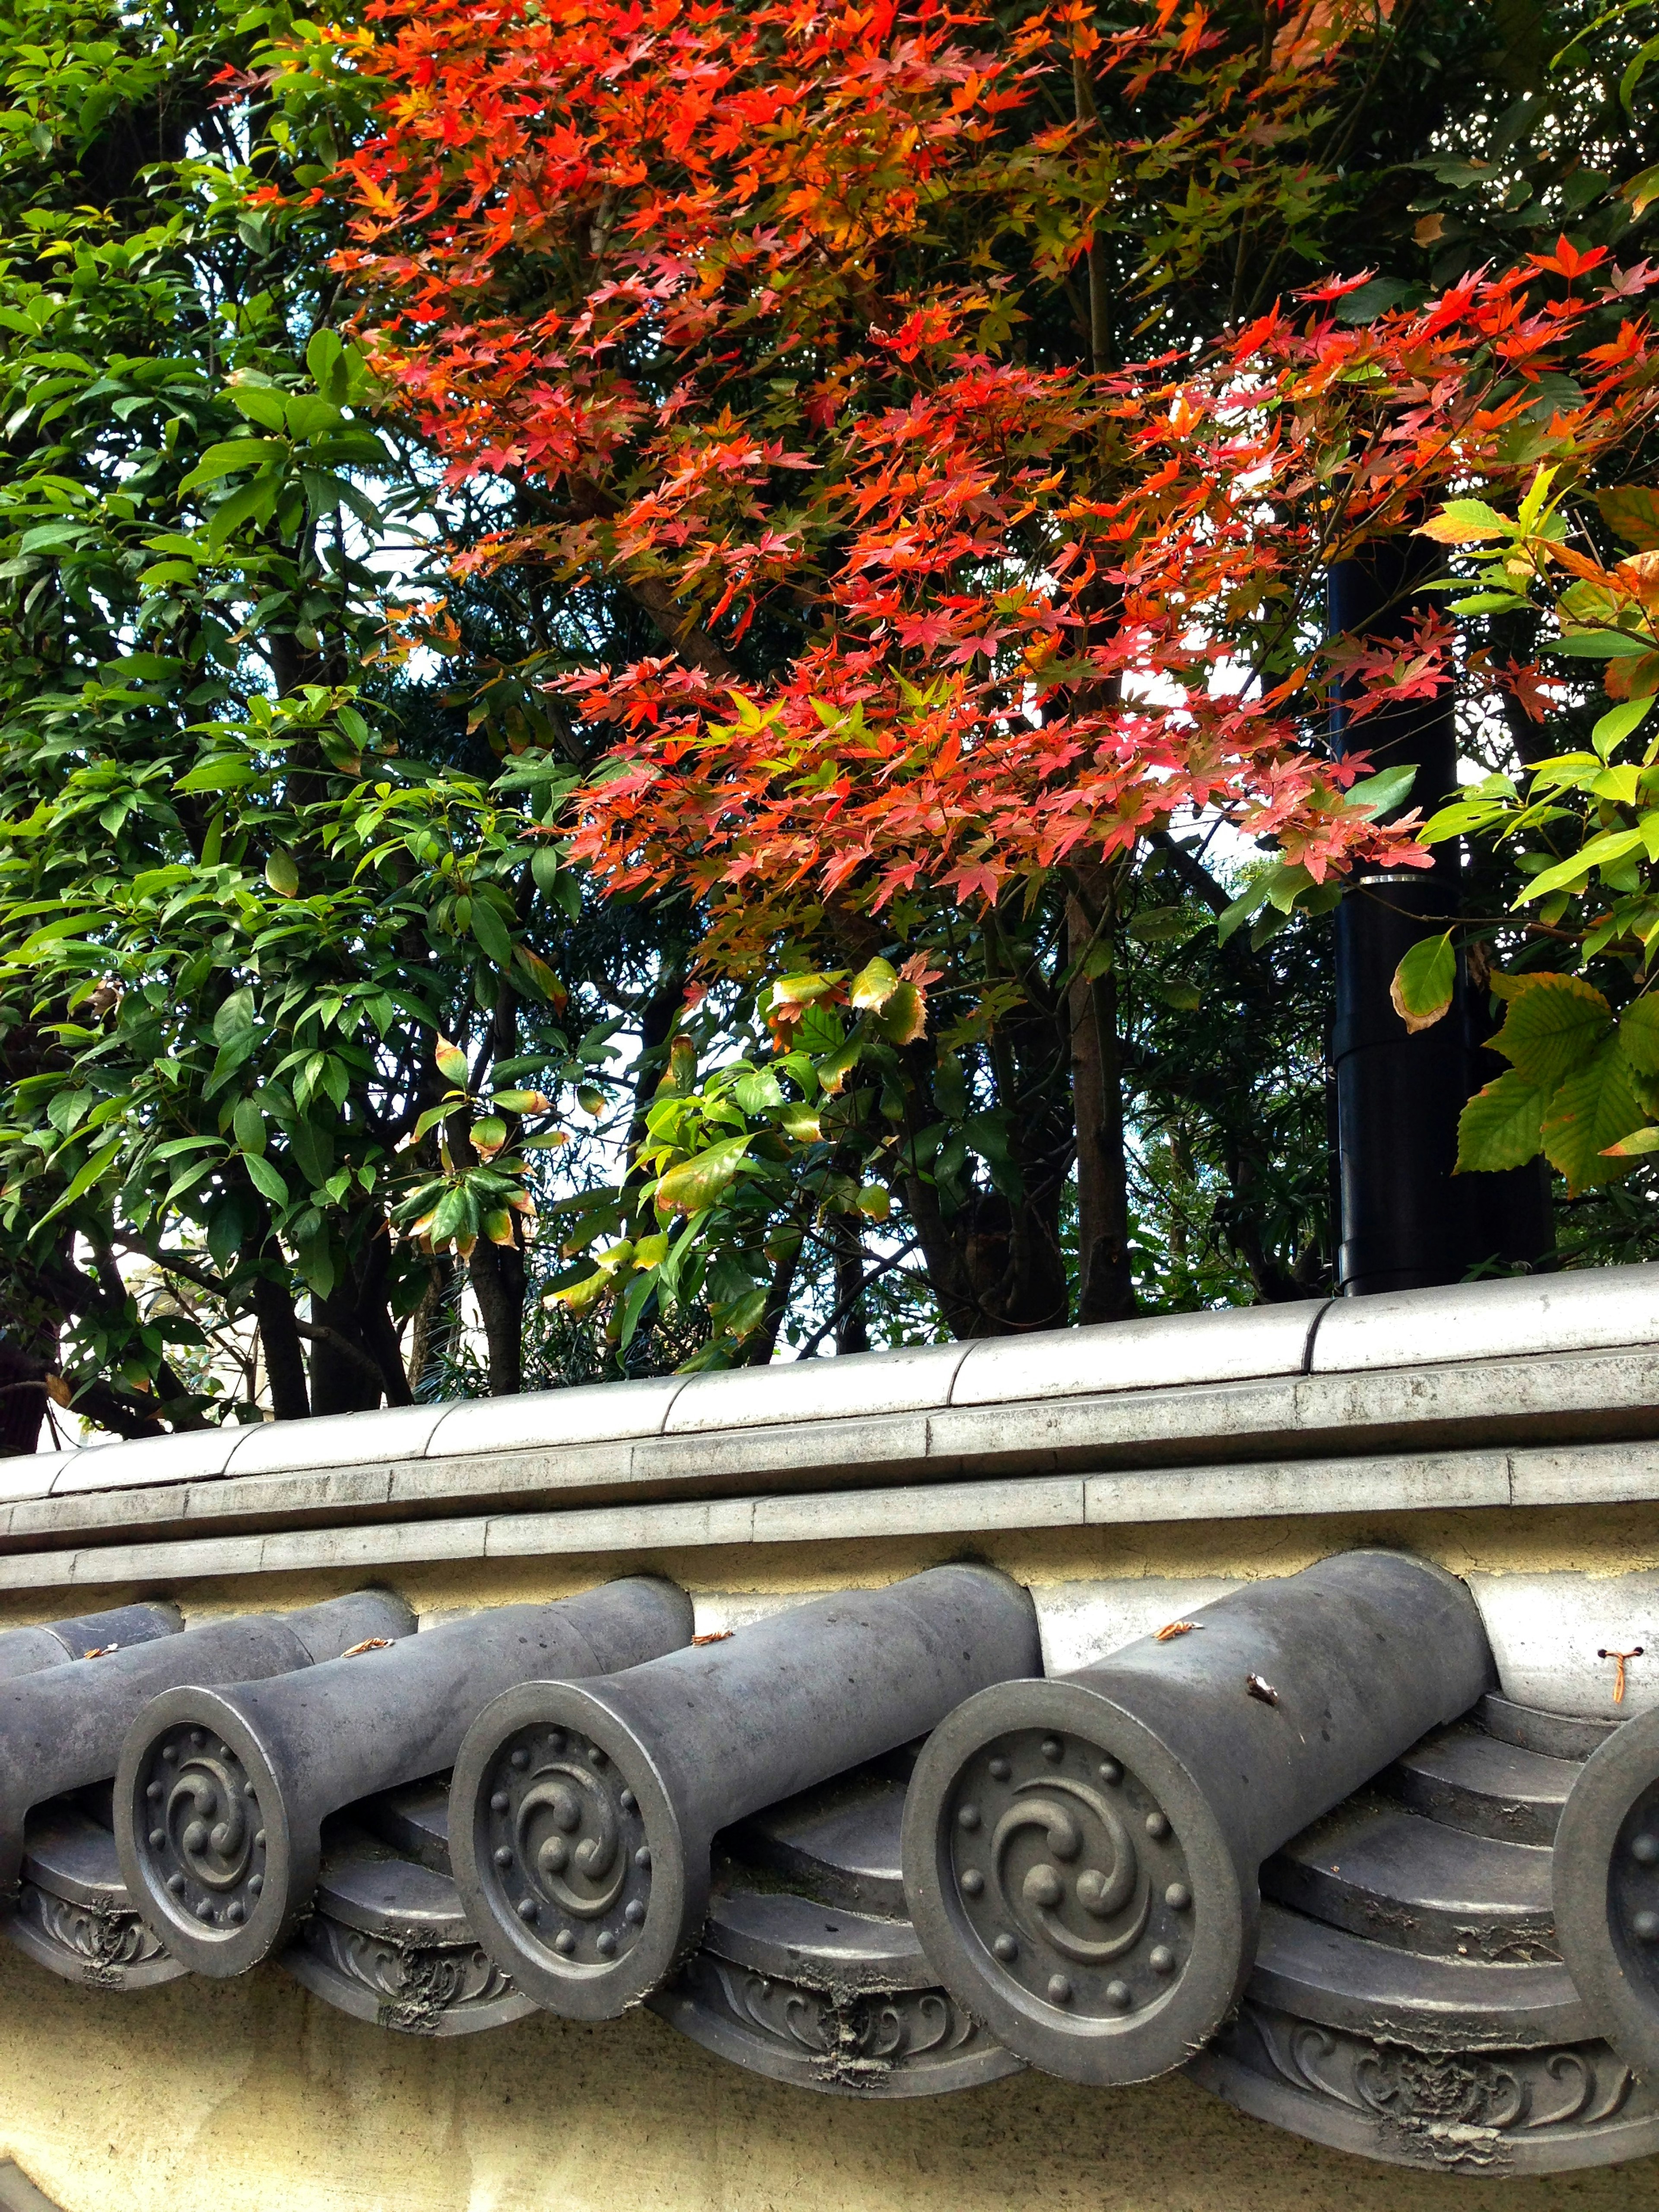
(19, 2194)
(127, 2106)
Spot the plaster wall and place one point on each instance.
(1594, 1540)
(251, 2096)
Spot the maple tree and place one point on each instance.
(951, 634)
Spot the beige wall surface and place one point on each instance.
(251, 2096)
(1605, 1540)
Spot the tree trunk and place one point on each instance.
(24, 1366)
(1105, 1281)
(498, 1282)
(764, 1342)
(284, 1351)
(853, 1331)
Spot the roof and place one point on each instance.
(1537, 1390)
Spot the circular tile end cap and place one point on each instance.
(1605, 1876)
(569, 1854)
(204, 1837)
(1071, 1886)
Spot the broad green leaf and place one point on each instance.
(1590, 1111)
(580, 1298)
(1424, 982)
(1632, 511)
(635, 1299)
(488, 1135)
(452, 1063)
(492, 932)
(1618, 723)
(1598, 645)
(1501, 1127)
(1568, 875)
(453, 1214)
(875, 1202)
(1638, 1035)
(282, 873)
(65, 1108)
(833, 1072)
(259, 403)
(1235, 916)
(873, 986)
(83, 1180)
(1553, 1029)
(804, 990)
(522, 1101)
(235, 1016)
(695, 1184)
(758, 1093)
(247, 1122)
(1380, 794)
(1465, 522)
(227, 459)
(541, 978)
(231, 772)
(903, 1019)
(254, 503)
(1636, 1145)
(325, 358)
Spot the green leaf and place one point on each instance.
(1424, 982)
(235, 1017)
(695, 1184)
(226, 459)
(260, 403)
(248, 1123)
(255, 501)
(451, 1215)
(903, 1019)
(1632, 511)
(325, 358)
(452, 1063)
(1590, 1111)
(875, 1202)
(873, 986)
(491, 933)
(1599, 645)
(231, 772)
(281, 873)
(1618, 723)
(1465, 522)
(1567, 875)
(83, 1180)
(1636, 1145)
(1501, 1127)
(1380, 794)
(1553, 1027)
(759, 1092)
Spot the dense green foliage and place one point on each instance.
(302, 1012)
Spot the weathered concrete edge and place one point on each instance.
(1408, 1483)
(1156, 1437)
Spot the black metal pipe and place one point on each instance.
(582, 1816)
(61, 1728)
(220, 1794)
(1080, 1855)
(51, 1643)
(1398, 1096)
